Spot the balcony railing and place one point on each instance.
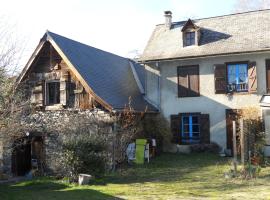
(241, 87)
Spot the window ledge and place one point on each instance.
(239, 93)
(54, 107)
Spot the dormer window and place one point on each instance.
(190, 38)
(191, 34)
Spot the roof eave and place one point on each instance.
(143, 61)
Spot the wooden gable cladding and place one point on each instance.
(49, 68)
(267, 68)
(220, 76)
(252, 77)
(188, 81)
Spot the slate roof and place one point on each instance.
(229, 34)
(110, 76)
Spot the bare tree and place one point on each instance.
(249, 5)
(12, 103)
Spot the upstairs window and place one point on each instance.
(53, 92)
(190, 129)
(188, 81)
(190, 38)
(237, 77)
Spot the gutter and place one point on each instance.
(203, 56)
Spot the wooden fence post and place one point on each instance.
(234, 148)
(242, 141)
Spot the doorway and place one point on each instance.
(27, 154)
(232, 115)
(21, 157)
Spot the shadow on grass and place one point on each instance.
(166, 168)
(48, 189)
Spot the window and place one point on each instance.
(190, 129)
(188, 81)
(190, 38)
(53, 92)
(237, 77)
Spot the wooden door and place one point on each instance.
(268, 76)
(231, 115)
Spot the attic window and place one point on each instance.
(53, 92)
(191, 34)
(190, 38)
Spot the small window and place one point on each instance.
(190, 129)
(189, 38)
(237, 77)
(53, 93)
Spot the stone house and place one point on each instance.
(200, 72)
(67, 80)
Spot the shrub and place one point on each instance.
(211, 148)
(156, 126)
(84, 154)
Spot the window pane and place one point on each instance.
(190, 38)
(185, 120)
(195, 128)
(195, 119)
(53, 92)
(231, 74)
(186, 128)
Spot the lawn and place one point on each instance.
(196, 176)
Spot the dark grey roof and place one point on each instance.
(108, 75)
(236, 33)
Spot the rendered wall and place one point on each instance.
(208, 102)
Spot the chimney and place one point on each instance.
(168, 19)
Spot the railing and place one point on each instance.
(241, 87)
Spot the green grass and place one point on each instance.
(196, 176)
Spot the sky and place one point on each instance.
(118, 26)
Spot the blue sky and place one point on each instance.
(118, 26)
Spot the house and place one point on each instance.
(66, 80)
(199, 72)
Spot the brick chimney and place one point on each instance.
(168, 19)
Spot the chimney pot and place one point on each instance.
(168, 19)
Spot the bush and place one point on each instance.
(211, 148)
(84, 154)
(156, 126)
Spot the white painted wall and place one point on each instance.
(209, 102)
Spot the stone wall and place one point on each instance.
(54, 127)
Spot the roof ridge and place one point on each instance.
(220, 16)
(50, 32)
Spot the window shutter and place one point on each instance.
(43, 93)
(188, 81)
(205, 129)
(267, 64)
(37, 95)
(182, 82)
(63, 92)
(252, 77)
(194, 89)
(220, 79)
(175, 128)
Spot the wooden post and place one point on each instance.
(234, 148)
(242, 141)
